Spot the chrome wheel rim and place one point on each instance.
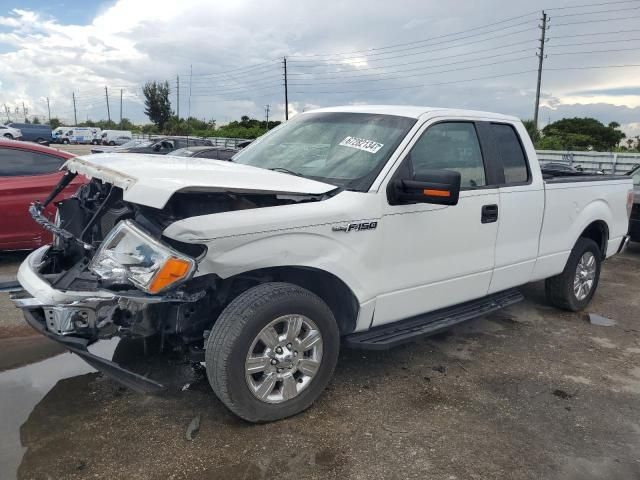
(585, 276)
(283, 358)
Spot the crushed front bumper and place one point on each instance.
(69, 317)
(79, 346)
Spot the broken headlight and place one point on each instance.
(130, 255)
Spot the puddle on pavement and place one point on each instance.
(21, 389)
(24, 388)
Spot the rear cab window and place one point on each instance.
(512, 154)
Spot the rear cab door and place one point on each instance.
(522, 201)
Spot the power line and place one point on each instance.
(404, 87)
(600, 42)
(635, 49)
(593, 13)
(508, 34)
(426, 39)
(348, 74)
(591, 5)
(594, 21)
(415, 75)
(591, 34)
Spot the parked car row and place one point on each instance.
(158, 145)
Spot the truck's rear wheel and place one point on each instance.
(574, 288)
(272, 351)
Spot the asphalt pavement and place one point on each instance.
(527, 393)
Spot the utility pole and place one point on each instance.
(543, 39)
(75, 112)
(266, 111)
(120, 108)
(24, 112)
(178, 99)
(49, 110)
(190, 77)
(6, 109)
(286, 92)
(106, 94)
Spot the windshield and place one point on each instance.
(343, 149)
(636, 178)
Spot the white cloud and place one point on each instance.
(132, 41)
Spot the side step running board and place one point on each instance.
(403, 331)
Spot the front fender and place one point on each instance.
(346, 260)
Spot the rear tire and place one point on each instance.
(574, 288)
(65, 141)
(283, 384)
(112, 143)
(9, 136)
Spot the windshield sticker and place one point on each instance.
(361, 144)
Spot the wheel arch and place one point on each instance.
(339, 297)
(598, 231)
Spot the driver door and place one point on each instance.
(438, 256)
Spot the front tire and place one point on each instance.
(272, 352)
(574, 288)
(112, 143)
(9, 136)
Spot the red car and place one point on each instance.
(28, 172)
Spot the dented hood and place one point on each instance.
(152, 179)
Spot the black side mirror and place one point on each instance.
(440, 187)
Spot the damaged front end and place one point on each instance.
(109, 272)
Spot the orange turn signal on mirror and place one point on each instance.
(174, 270)
(436, 193)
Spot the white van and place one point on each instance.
(66, 135)
(115, 137)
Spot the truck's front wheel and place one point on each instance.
(272, 351)
(574, 288)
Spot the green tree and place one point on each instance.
(157, 104)
(533, 131)
(581, 134)
(36, 121)
(54, 123)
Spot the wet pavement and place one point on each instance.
(527, 393)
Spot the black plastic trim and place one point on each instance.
(403, 331)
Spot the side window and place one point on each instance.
(15, 163)
(226, 154)
(209, 154)
(514, 160)
(450, 146)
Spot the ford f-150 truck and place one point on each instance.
(363, 226)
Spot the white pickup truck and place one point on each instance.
(364, 226)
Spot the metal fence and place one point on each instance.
(222, 142)
(607, 162)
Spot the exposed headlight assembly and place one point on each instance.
(130, 255)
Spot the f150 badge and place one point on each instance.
(355, 227)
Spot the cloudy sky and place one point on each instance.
(462, 53)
